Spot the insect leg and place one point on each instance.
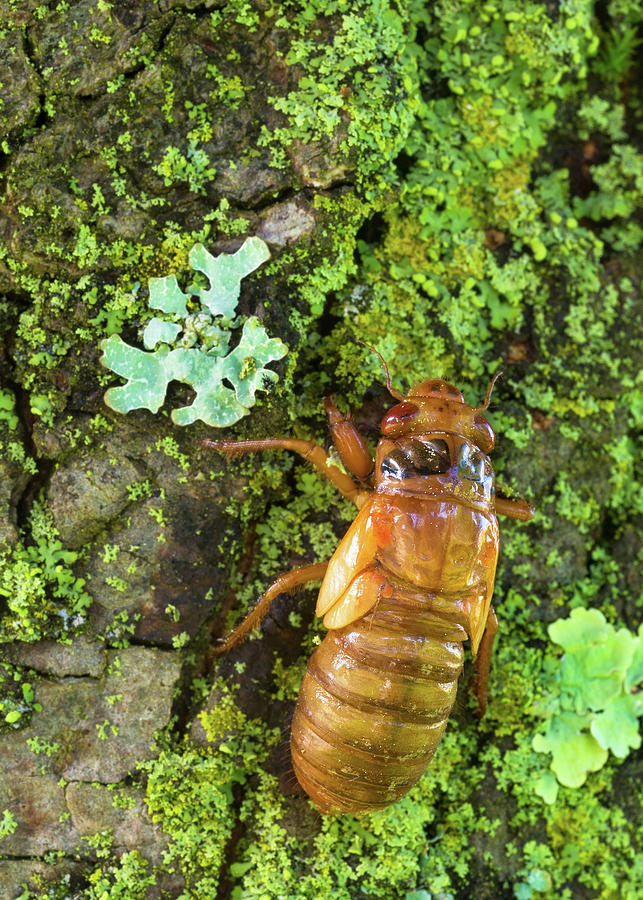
(483, 660)
(515, 509)
(310, 451)
(288, 581)
(348, 441)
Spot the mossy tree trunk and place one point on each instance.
(454, 183)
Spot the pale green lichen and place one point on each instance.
(200, 359)
(595, 707)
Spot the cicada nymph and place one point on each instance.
(411, 580)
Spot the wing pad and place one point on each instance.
(362, 594)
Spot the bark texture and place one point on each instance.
(452, 183)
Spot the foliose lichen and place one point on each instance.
(194, 349)
(596, 707)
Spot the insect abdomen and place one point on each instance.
(373, 705)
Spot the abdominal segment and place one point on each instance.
(374, 703)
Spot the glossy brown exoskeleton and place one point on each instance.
(411, 581)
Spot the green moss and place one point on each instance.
(360, 89)
(190, 792)
(380, 855)
(287, 679)
(190, 795)
(191, 167)
(8, 824)
(7, 409)
(15, 452)
(43, 596)
(126, 880)
(17, 696)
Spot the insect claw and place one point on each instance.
(220, 647)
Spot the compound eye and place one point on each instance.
(430, 457)
(417, 459)
(396, 465)
(471, 463)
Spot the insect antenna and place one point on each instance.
(389, 386)
(485, 405)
